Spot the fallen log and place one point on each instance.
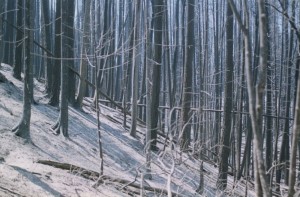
(92, 175)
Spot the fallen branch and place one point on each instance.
(10, 191)
(92, 175)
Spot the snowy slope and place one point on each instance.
(124, 158)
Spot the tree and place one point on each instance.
(296, 124)
(54, 98)
(2, 3)
(261, 179)
(284, 150)
(158, 11)
(187, 73)
(226, 131)
(69, 48)
(134, 80)
(9, 32)
(255, 96)
(22, 129)
(269, 107)
(61, 126)
(148, 97)
(84, 51)
(19, 39)
(296, 131)
(48, 43)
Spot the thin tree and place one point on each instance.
(84, 51)
(61, 126)
(285, 145)
(69, 47)
(19, 39)
(255, 97)
(158, 11)
(134, 80)
(54, 98)
(259, 89)
(296, 125)
(226, 131)
(269, 107)
(48, 43)
(148, 97)
(296, 131)
(22, 129)
(185, 136)
(2, 3)
(9, 33)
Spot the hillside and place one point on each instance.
(21, 174)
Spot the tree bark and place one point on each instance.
(18, 50)
(158, 11)
(185, 136)
(54, 99)
(134, 80)
(61, 126)
(84, 52)
(226, 132)
(48, 43)
(22, 129)
(69, 47)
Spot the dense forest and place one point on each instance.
(217, 79)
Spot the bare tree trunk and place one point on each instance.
(69, 47)
(256, 97)
(18, 50)
(185, 135)
(54, 99)
(158, 11)
(269, 121)
(49, 45)
(296, 125)
(148, 97)
(260, 88)
(22, 129)
(226, 132)
(84, 52)
(61, 126)
(295, 137)
(134, 80)
(285, 145)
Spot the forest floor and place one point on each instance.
(21, 173)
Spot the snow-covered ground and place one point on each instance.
(124, 157)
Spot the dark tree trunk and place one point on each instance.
(69, 47)
(61, 126)
(22, 129)
(18, 57)
(9, 33)
(2, 3)
(226, 132)
(158, 11)
(135, 56)
(185, 136)
(82, 87)
(269, 107)
(54, 99)
(296, 124)
(218, 83)
(285, 145)
(49, 45)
